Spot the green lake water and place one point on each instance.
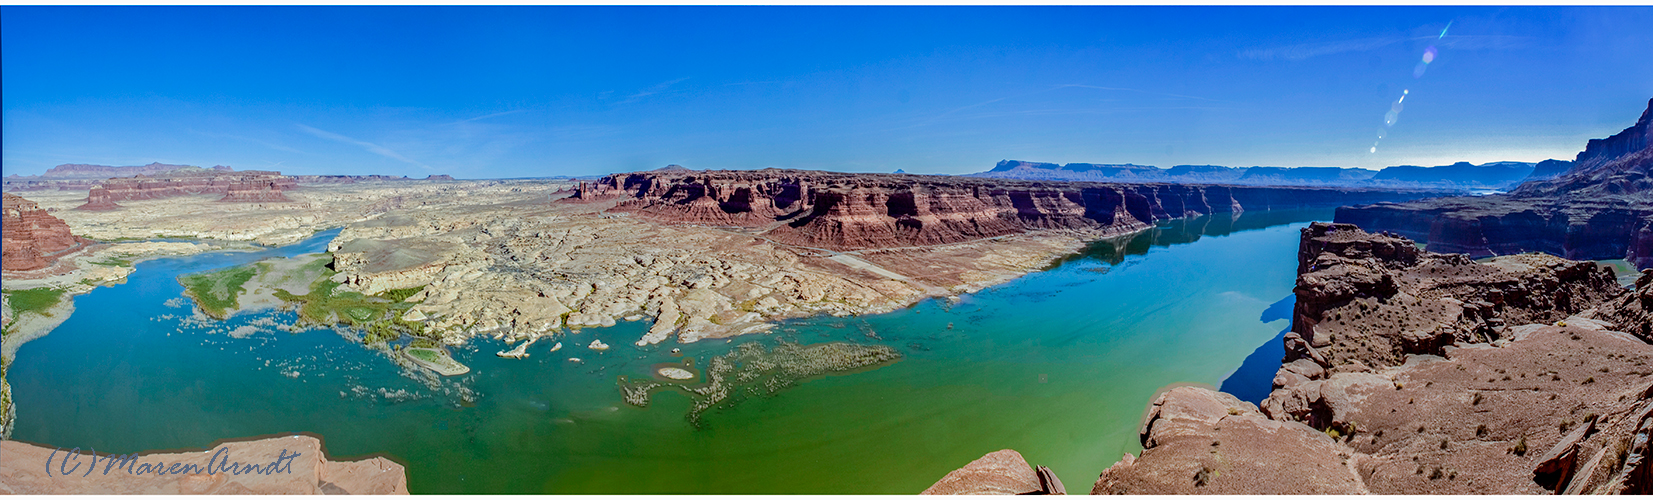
(1058, 365)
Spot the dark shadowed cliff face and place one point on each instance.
(1602, 208)
(841, 211)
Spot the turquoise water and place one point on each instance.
(1058, 365)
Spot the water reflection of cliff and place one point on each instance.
(1189, 230)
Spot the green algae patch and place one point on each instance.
(750, 370)
(217, 293)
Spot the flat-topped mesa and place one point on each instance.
(1600, 208)
(252, 186)
(84, 171)
(33, 238)
(845, 211)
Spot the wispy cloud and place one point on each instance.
(487, 116)
(370, 147)
(954, 114)
(1149, 92)
(268, 144)
(652, 90)
(1303, 51)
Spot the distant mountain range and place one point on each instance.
(1499, 176)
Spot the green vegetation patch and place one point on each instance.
(35, 300)
(114, 262)
(424, 355)
(216, 293)
(401, 294)
(378, 317)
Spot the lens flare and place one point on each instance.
(1389, 118)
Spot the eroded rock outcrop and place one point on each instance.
(1600, 208)
(838, 211)
(1002, 472)
(1200, 441)
(1449, 376)
(1368, 300)
(287, 465)
(33, 238)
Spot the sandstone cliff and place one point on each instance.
(838, 211)
(247, 186)
(1601, 208)
(33, 238)
(308, 473)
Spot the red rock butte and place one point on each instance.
(252, 186)
(33, 238)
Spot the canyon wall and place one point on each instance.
(841, 211)
(1601, 208)
(33, 238)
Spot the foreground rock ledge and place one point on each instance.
(24, 470)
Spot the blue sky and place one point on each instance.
(544, 91)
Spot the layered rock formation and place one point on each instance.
(254, 186)
(33, 238)
(837, 211)
(76, 176)
(1601, 208)
(286, 465)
